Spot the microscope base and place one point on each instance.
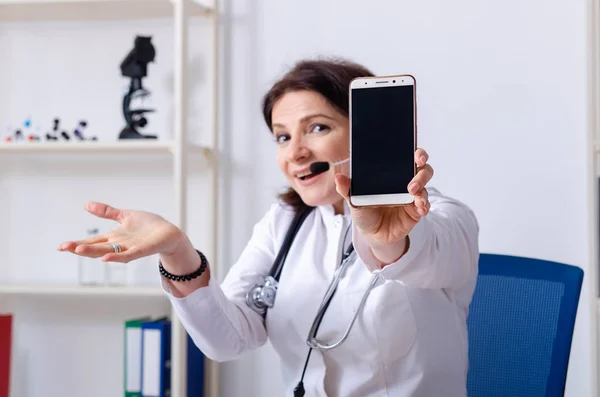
(130, 133)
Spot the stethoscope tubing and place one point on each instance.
(312, 341)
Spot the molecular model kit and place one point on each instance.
(134, 105)
(55, 132)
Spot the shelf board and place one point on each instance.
(42, 290)
(89, 147)
(47, 10)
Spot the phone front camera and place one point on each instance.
(393, 81)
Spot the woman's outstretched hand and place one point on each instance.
(139, 234)
(386, 229)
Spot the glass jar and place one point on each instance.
(91, 271)
(116, 274)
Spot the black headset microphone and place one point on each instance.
(262, 296)
(319, 167)
(316, 168)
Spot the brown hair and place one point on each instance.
(329, 77)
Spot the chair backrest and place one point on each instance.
(520, 326)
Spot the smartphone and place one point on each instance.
(383, 140)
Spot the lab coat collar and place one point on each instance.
(328, 213)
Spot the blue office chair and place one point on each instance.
(520, 325)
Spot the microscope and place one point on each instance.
(135, 67)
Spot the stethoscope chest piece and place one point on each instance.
(262, 296)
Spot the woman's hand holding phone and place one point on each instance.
(385, 229)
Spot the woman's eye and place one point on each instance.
(319, 128)
(281, 138)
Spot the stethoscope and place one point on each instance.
(312, 340)
(262, 296)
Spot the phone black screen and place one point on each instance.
(382, 140)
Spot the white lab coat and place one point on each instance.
(409, 340)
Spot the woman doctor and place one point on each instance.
(410, 335)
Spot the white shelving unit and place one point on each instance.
(89, 147)
(44, 290)
(178, 148)
(44, 10)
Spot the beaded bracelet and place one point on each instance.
(185, 277)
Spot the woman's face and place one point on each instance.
(306, 129)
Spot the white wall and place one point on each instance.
(502, 111)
